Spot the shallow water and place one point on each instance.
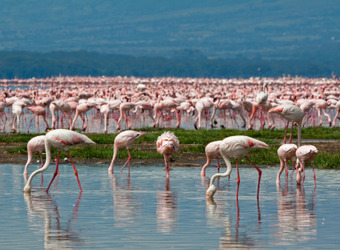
(143, 210)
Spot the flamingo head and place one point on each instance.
(211, 191)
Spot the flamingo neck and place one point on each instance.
(226, 173)
(27, 187)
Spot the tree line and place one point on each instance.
(25, 64)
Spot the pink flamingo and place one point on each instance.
(38, 111)
(321, 104)
(337, 106)
(124, 108)
(167, 144)
(212, 150)
(203, 105)
(236, 147)
(81, 110)
(291, 113)
(123, 140)
(285, 152)
(62, 139)
(36, 144)
(305, 153)
(64, 107)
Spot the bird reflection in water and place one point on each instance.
(296, 217)
(125, 205)
(58, 235)
(166, 209)
(218, 217)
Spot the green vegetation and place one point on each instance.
(192, 141)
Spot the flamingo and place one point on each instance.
(38, 111)
(36, 144)
(291, 113)
(167, 144)
(62, 139)
(212, 150)
(123, 140)
(285, 152)
(305, 153)
(236, 146)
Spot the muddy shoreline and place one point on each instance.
(181, 159)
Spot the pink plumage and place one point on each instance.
(123, 140)
(305, 153)
(167, 144)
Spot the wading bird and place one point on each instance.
(236, 147)
(285, 152)
(167, 144)
(61, 139)
(123, 140)
(305, 153)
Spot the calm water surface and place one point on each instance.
(144, 211)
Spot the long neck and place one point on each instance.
(226, 173)
(115, 152)
(27, 187)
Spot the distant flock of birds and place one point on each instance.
(60, 102)
(292, 99)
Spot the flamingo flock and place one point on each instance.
(130, 103)
(108, 104)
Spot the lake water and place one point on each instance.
(144, 211)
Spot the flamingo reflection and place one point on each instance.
(166, 209)
(218, 217)
(125, 205)
(58, 235)
(296, 218)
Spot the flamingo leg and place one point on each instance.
(127, 162)
(291, 133)
(238, 174)
(55, 172)
(75, 170)
(218, 165)
(286, 168)
(260, 173)
(286, 128)
(313, 173)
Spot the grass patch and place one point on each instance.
(195, 141)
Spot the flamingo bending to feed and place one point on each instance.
(291, 113)
(36, 144)
(167, 144)
(212, 150)
(305, 153)
(285, 152)
(236, 146)
(62, 139)
(123, 140)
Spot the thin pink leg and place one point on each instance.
(55, 172)
(260, 173)
(286, 168)
(313, 173)
(291, 133)
(218, 165)
(286, 128)
(75, 170)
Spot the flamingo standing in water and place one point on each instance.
(212, 150)
(62, 139)
(167, 144)
(236, 146)
(305, 153)
(285, 152)
(291, 113)
(123, 140)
